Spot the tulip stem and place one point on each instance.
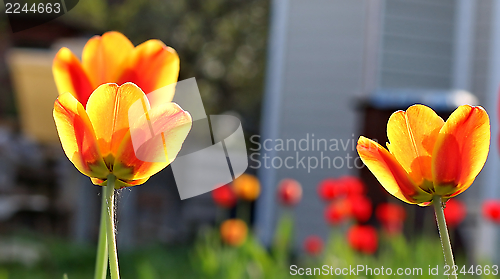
(101, 265)
(243, 211)
(110, 198)
(443, 233)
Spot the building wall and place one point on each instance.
(322, 75)
(417, 44)
(484, 83)
(481, 48)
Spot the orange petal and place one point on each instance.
(461, 150)
(104, 56)
(152, 144)
(152, 66)
(119, 183)
(77, 136)
(108, 109)
(412, 135)
(70, 76)
(389, 172)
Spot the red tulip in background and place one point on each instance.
(491, 210)
(313, 245)
(329, 189)
(391, 216)
(337, 211)
(289, 192)
(454, 212)
(224, 196)
(332, 188)
(352, 186)
(363, 238)
(361, 208)
(347, 199)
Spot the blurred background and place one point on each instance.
(322, 72)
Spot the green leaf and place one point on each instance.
(283, 238)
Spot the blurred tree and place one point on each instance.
(7, 108)
(220, 42)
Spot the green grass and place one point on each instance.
(77, 261)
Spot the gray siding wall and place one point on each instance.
(481, 44)
(484, 83)
(417, 44)
(322, 74)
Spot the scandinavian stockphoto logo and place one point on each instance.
(213, 154)
(25, 14)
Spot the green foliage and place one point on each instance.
(283, 239)
(4, 274)
(251, 260)
(77, 262)
(145, 270)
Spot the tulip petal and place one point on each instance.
(119, 183)
(389, 172)
(104, 56)
(152, 66)
(77, 136)
(160, 139)
(70, 76)
(412, 135)
(108, 109)
(461, 150)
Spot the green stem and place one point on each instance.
(443, 233)
(243, 211)
(221, 214)
(101, 264)
(113, 257)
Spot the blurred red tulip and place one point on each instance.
(289, 192)
(391, 216)
(454, 212)
(352, 186)
(224, 196)
(313, 245)
(337, 211)
(363, 238)
(329, 189)
(361, 208)
(491, 210)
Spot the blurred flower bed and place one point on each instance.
(230, 249)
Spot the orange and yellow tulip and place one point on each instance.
(246, 187)
(92, 111)
(98, 139)
(426, 156)
(112, 58)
